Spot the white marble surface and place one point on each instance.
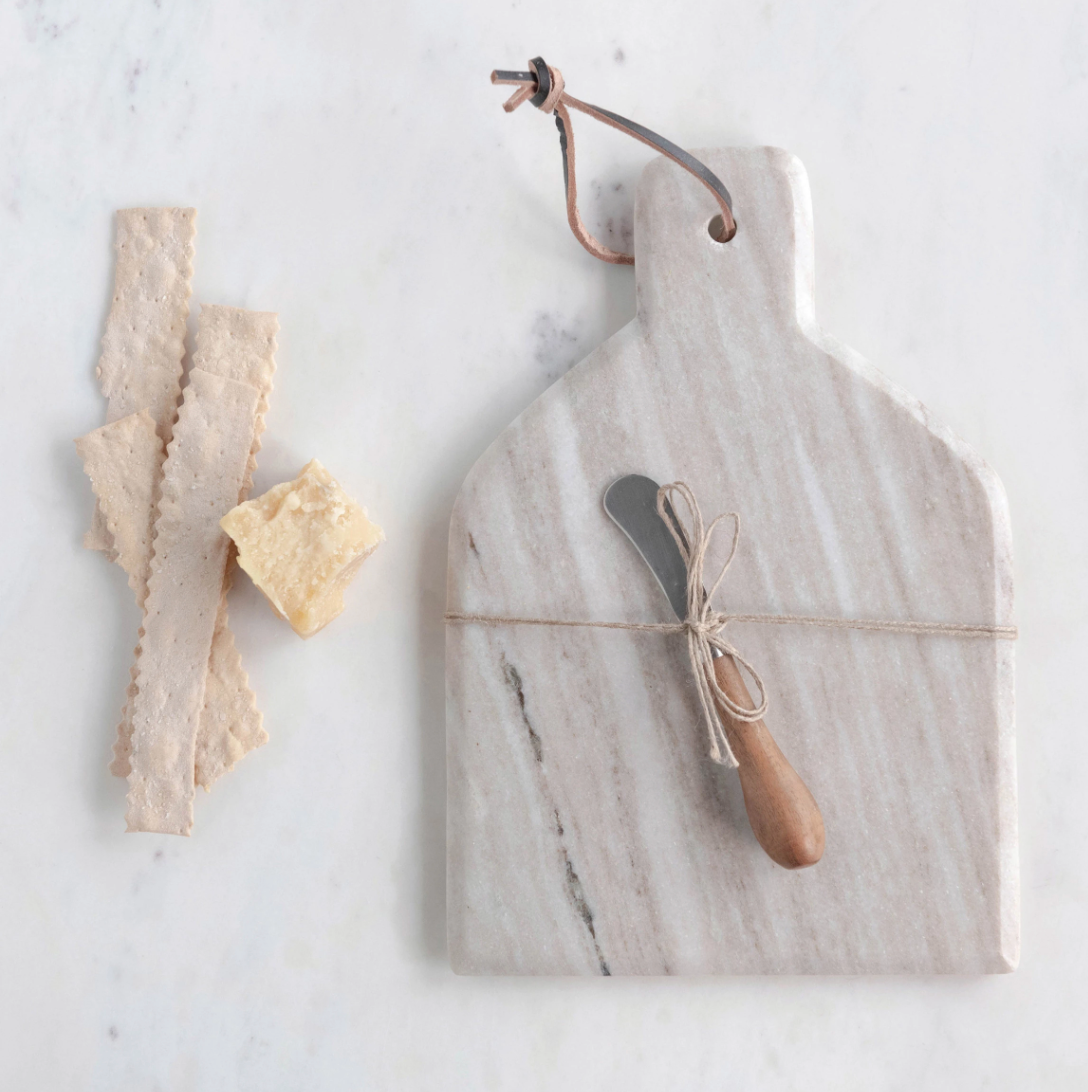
(354, 172)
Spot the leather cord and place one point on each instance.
(544, 87)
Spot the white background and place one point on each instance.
(353, 170)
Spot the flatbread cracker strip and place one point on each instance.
(144, 341)
(237, 344)
(124, 462)
(203, 474)
(241, 345)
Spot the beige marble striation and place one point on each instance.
(587, 831)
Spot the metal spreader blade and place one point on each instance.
(631, 503)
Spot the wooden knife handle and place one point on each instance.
(785, 818)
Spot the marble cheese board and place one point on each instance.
(587, 833)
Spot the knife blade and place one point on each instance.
(785, 818)
(631, 503)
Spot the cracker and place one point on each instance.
(203, 475)
(124, 461)
(144, 342)
(239, 345)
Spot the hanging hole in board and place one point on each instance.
(716, 229)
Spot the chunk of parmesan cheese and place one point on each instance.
(302, 543)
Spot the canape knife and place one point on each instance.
(785, 818)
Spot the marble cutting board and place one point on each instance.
(587, 831)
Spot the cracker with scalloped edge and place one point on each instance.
(204, 472)
(144, 341)
(239, 345)
(124, 462)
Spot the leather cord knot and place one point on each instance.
(550, 85)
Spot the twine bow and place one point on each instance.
(704, 624)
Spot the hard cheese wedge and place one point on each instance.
(302, 543)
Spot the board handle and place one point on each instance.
(785, 817)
